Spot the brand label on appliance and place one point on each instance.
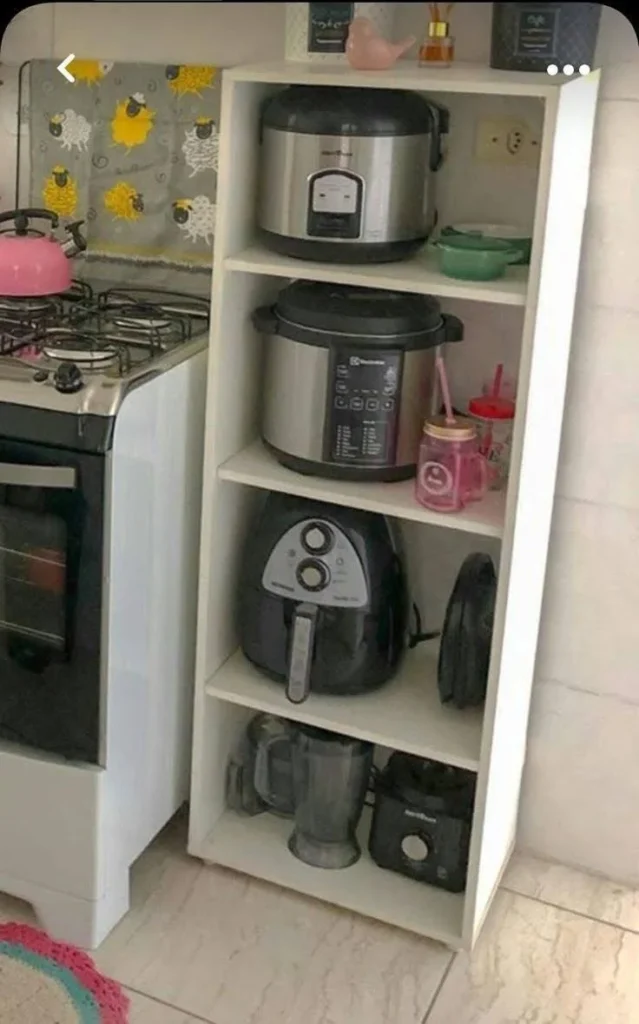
(537, 32)
(328, 26)
(421, 816)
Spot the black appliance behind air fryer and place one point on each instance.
(422, 820)
(322, 598)
(466, 639)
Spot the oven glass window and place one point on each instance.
(33, 577)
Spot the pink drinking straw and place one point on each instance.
(497, 379)
(443, 383)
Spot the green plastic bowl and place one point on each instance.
(471, 258)
(515, 236)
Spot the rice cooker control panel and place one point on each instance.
(335, 199)
(363, 406)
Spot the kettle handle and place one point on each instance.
(22, 217)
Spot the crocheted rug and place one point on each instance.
(48, 982)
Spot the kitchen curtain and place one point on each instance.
(131, 149)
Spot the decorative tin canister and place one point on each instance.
(317, 32)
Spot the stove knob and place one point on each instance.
(317, 539)
(40, 376)
(68, 378)
(312, 575)
(415, 848)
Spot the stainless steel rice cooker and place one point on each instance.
(347, 174)
(348, 378)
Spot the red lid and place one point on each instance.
(487, 408)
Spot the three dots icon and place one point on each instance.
(568, 69)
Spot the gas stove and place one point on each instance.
(82, 351)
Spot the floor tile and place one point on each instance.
(574, 890)
(236, 951)
(147, 1011)
(535, 964)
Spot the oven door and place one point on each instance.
(50, 599)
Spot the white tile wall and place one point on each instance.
(580, 793)
(581, 789)
(610, 268)
(195, 32)
(600, 445)
(589, 634)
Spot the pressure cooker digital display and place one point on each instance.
(363, 406)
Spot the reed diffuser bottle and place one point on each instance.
(438, 49)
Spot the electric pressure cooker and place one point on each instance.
(348, 378)
(347, 174)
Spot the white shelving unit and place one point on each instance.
(405, 715)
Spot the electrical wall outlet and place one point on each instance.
(507, 142)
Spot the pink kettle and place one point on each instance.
(33, 262)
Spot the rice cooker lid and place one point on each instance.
(342, 110)
(344, 309)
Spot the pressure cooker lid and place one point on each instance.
(343, 309)
(337, 110)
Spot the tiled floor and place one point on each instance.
(205, 945)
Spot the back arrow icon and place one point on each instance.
(62, 67)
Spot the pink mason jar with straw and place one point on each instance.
(451, 471)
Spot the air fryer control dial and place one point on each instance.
(315, 557)
(313, 575)
(317, 539)
(415, 848)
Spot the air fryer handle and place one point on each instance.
(300, 657)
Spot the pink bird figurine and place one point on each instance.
(366, 50)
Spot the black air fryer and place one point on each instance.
(322, 598)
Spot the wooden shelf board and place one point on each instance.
(258, 846)
(256, 467)
(462, 77)
(418, 275)
(405, 715)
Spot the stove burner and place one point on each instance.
(77, 352)
(115, 329)
(86, 349)
(33, 308)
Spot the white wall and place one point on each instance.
(581, 788)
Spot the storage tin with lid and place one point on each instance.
(348, 378)
(348, 174)
(318, 32)
(531, 36)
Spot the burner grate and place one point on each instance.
(85, 348)
(115, 328)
